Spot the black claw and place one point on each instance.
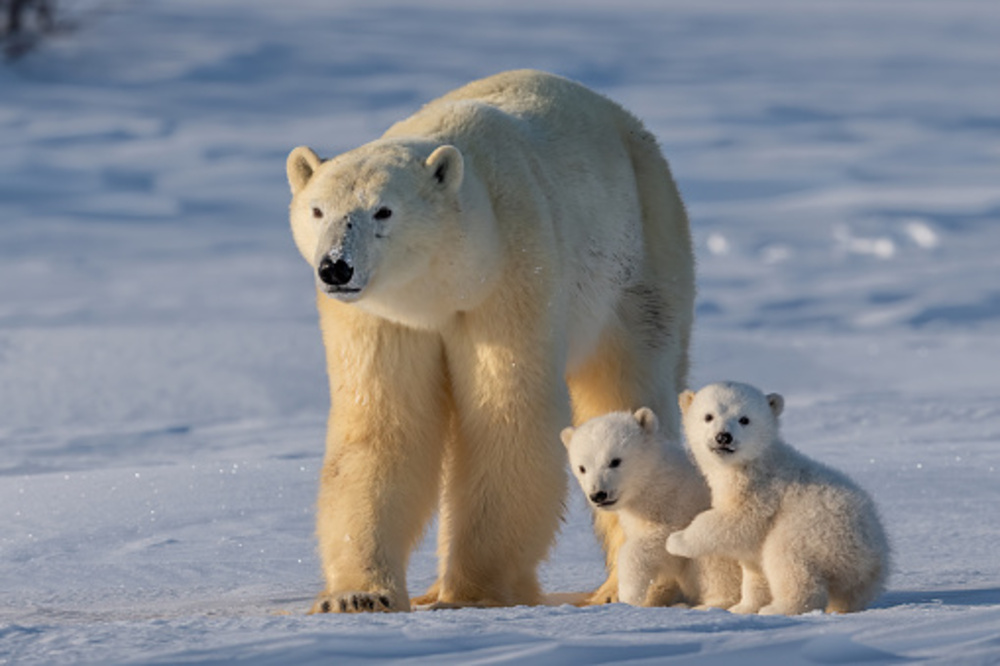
(354, 602)
(325, 607)
(384, 601)
(343, 605)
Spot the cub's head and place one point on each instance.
(372, 220)
(610, 454)
(730, 423)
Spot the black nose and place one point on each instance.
(724, 438)
(598, 497)
(335, 273)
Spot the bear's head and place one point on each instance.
(610, 454)
(381, 225)
(730, 423)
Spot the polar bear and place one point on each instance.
(805, 535)
(512, 258)
(624, 465)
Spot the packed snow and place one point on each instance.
(162, 386)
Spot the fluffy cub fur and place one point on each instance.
(805, 535)
(624, 465)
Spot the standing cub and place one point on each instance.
(806, 536)
(623, 465)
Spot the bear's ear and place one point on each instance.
(647, 419)
(447, 167)
(684, 400)
(777, 404)
(301, 165)
(567, 436)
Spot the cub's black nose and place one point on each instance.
(724, 438)
(335, 273)
(598, 497)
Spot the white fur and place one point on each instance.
(624, 465)
(513, 256)
(805, 535)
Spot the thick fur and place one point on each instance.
(512, 257)
(805, 535)
(624, 466)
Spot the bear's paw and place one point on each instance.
(679, 546)
(355, 601)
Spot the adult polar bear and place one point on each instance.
(513, 256)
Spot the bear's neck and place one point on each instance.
(747, 483)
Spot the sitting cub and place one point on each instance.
(622, 465)
(805, 535)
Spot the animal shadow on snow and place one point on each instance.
(986, 597)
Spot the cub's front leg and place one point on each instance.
(635, 573)
(647, 576)
(717, 532)
(699, 538)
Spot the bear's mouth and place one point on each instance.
(341, 293)
(724, 449)
(604, 504)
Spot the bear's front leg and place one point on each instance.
(635, 573)
(647, 576)
(755, 592)
(380, 477)
(715, 532)
(505, 479)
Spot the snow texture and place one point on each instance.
(162, 388)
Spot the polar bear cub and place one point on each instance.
(623, 465)
(805, 535)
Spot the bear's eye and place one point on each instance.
(583, 470)
(708, 418)
(382, 213)
(317, 213)
(615, 462)
(744, 421)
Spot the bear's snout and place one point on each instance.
(724, 443)
(601, 499)
(335, 273)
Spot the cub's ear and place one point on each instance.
(684, 400)
(447, 167)
(567, 436)
(301, 165)
(777, 404)
(647, 419)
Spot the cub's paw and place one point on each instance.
(679, 546)
(354, 601)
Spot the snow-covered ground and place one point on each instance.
(162, 392)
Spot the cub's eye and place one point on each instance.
(317, 213)
(744, 421)
(583, 470)
(382, 213)
(708, 418)
(615, 462)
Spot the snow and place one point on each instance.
(162, 392)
